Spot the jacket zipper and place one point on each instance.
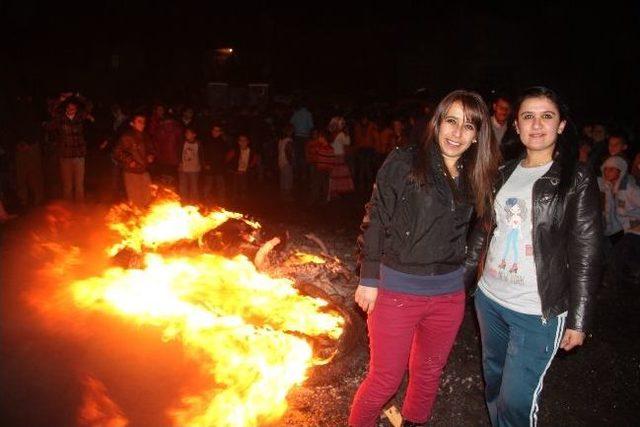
(533, 234)
(544, 317)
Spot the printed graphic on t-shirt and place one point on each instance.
(190, 160)
(188, 155)
(509, 241)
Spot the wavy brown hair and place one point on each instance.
(481, 160)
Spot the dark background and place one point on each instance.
(149, 49)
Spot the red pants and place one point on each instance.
(405, 328)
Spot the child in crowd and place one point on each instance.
(135, 154)
(622, 217)
(617, 145)
(340, 180)
(191, 162)
(321, 159)
(242, 163)
(613, 170)
(285, 163)
(215, 149)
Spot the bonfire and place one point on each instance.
(201, 277)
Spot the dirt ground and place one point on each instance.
(595, 385)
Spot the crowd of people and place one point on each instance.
(70, 148)
(223, 155)
(507, 198)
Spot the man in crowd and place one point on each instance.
(68, 126)
(134, 152)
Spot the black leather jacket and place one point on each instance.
(567, 238)
(411, 229)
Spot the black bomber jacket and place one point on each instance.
(409, 228)
(567, 243)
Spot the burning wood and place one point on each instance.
(167, 223)
(254, 334)
(318, 241)
(261, 255)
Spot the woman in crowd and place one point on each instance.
(340, 181)
(543, 263)
(412, 253)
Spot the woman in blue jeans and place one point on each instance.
(526, 313)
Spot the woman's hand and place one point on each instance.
(366, 297)
(571, 339)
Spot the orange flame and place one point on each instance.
(249, 332)
(301, 258)
(98, 410)
(165, 222)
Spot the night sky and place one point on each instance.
(143, 49)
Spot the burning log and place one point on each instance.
(232, 237)
(249, 331)
(353, 336)
(318, 241)
(261, 255)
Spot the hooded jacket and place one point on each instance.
(622, 199)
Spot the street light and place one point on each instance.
(224, 51)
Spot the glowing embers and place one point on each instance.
(301, 258)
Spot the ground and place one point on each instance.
(597, 384)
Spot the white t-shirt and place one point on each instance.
(338, 144)
(509, 276)
(190, 159)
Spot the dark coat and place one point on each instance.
(567, 243)
(410, 228)
(132, 150)
(233, 158)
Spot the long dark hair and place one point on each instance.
(479, 162)
(565, 152)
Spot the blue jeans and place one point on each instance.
(517, 350)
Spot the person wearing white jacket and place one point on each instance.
(622, 197)
(622, 217)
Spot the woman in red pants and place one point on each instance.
(412, 252)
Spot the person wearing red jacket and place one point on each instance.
(167, 137)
